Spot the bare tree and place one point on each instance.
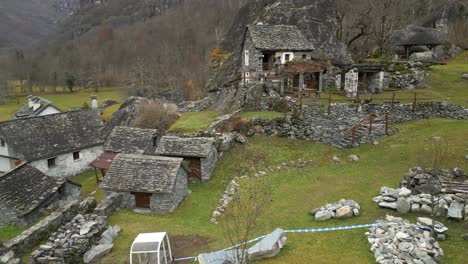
(247, 205)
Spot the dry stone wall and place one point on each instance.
(317, 125)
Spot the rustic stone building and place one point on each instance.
(147, 183)
(199, 153)
(37, 106)
(126, 140)
(25, 192)
(59, 145)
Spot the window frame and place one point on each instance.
(51, 163)
(79, 155)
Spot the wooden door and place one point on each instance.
(195, 169)
(142, 200)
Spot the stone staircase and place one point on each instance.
(366, 130)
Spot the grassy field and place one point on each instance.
(194, 121)
(9, 231)
(296, 191)
(262, 115)
(64, 101)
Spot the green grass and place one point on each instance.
(446, 82)
(10, 231)
(262, 115)
(107, 113)
(88, 185)
(194, 121)
(64, 101)
(296, 191)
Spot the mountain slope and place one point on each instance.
(24, 22)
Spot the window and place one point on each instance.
(287, 57)
(51, 162)
(76, 155)
(304, 56)
(2, 142)
(155, 141)
(246, 58)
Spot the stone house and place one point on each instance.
(147, 183)
(199, 153)
(37, 106)
(25, 192)
(59, 145)
(126, 140)
(269, 48)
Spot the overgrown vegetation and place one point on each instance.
(9, 232)
(155, 115)
(89, 185)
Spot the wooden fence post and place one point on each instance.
(354, 134)
(386, 124)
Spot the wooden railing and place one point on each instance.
(369, 120)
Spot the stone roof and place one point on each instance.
(279, 38)
(140, 173)
(199, 147)
(131, 140)
(419, 36)
(25, 188)
(41, 137)
(27, 111)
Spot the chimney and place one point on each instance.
(30, 101)
(94, 102)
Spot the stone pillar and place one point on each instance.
(381, 81)
(282, 87)
(338, 82)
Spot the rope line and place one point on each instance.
(310, 230)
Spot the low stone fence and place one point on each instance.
(107, 206)
(70, 242)
(316, 124)
(27, 240)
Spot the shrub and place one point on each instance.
(154, 115)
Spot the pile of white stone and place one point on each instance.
(402, 200)
(342, 209)
(398, 241)
(227, 197)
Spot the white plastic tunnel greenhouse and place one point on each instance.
(151, 248)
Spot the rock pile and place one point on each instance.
(105, 245)
(465, 76)
(421, 180)
(341, 209)
(71, 241)
(398, 241)
(402, 200)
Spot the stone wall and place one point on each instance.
(107, 206)
(208, 164)
(69, 243)
(317, 125)
(159, 203)
(27, 240)
(66, 166)
(168, 202)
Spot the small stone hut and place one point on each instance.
(199, 153)
(126, 140)
(148, 183)
(25, 192)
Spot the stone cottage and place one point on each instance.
(59, 145)
(37, 106)
(147, 183)
(126, 140)
(200, 154)
(25, 192)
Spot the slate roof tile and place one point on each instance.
(140, 173)
(198, 147)
(131, 140)
(279, 38)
